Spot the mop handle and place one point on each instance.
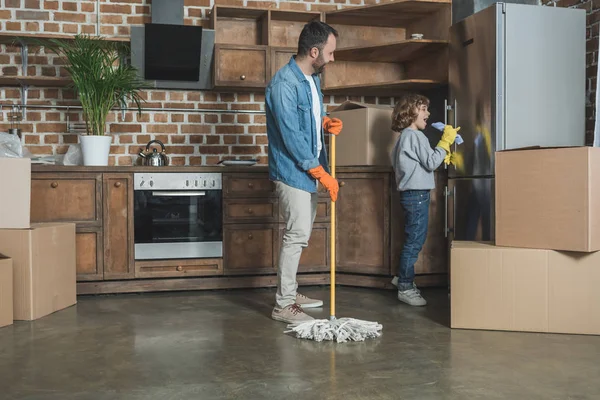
(332, 232)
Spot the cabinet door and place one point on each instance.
(433, 258)
(241, 66)
(67, 197)
(280, 56)
(363, 223)
(249, 249)
(316, 256)
(88, 244)
(118, 226)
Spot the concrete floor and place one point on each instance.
(222, 345)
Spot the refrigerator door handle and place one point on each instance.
(455, 122)
(446, 195)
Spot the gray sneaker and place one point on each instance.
(306, 302)
(412, 297)
(290, 314)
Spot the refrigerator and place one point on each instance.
(516, 79)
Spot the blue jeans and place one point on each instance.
(416, 217)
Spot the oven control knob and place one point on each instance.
(142, 183)
(213, 183)
(151, 183)
(196, 182)
(204, 185)
(187, 183)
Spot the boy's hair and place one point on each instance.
(314, 34)
(406, 111)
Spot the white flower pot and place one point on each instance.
(95, 149)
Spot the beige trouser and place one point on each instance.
(299, 209)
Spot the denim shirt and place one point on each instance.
(291, 129)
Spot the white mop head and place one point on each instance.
(341, 330)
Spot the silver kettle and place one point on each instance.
(154, 158)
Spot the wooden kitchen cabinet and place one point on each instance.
(249, 248)
(241, 66)
(72, 197)
(178, 268)
(363, 223)
(90, 254)
(118, 226)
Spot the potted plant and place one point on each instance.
(102, 82)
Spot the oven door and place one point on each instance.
(178, 224)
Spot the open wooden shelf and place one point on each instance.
(387, 14)
(405, 50)
(13, 38)
(384, 88)
(43, 81)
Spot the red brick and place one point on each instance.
(51, 127)
(162, 117)
(246, 139)
(210, 96)
(196, 161)
(52, 116)
(125, 128)
(138, 20)
(324, 7)
(212, 139)
(125, 160)
(144, 10)
(177, 118)
(257, 129)
(50, 139)
(193, 96)
(194, 12)
(177, 139)
(243, 97)
(176, 96)
(243, 118)
(10, 71)
(111, 19)
(245, 106)
(292, 6)
(194, 128)
(158, 96)
(51, 27)
(115, 8)
(33, 15)
(69, 6)
(12, 3)
(181, 149)
(211, 119)
(70, 139)
(12, 93)
(143, 139)
(161, 128)
(225, 129)
(261, 139)
(69, 17)
(176, 161)
(123, 30)
(13, 26)
(196, 139)
(70, 28)
(259, 97)
(107, 30)
(195, 118)
(213, 150)
(144, 117)
(88, 7)
(228, 118)
(33, 4)
(246, 150)
(32, 27)
(50, 5)
(125, 139)
(48, 71)
(196, 3)
(230, 139)
(32, 139)
(260, 119)
(40, 149)
(227, 97)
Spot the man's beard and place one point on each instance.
(319, 64)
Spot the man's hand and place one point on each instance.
(448, 138)
(332, 125)
(326, 180)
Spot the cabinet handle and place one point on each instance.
(342, 184)
(250, 185)
(250, 211)
(179, 268)
(117, 184)
(54, 185)
(250, 236)
(243, 77)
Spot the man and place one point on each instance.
(297, 157)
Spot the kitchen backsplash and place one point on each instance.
(191, 138)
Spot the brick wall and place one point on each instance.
(192, 138)
(593, 24)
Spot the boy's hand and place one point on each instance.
(455, 159)
(448, 138)
(332, 125)
(326, 180)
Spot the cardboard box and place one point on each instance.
(15, 195)
(43, 268)
(367, 137)
(531, 290)
(6, 291)
(548, 198)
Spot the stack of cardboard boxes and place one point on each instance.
(543, 273)
(37, 261)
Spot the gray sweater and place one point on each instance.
(414, 161)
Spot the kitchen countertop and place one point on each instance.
(199, 168)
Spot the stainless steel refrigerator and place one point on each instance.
(517, 79)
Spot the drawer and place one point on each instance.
(241, 66)
(244, 210)
(249, 249)
(249, 185)
(178, 268)
(66, 198)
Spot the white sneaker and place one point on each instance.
(412, 297)
(307, 302)
(395, 281)
(290, 314)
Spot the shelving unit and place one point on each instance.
(398, 52)
(43, 81)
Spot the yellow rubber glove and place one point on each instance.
(326, 180)
(457, 160)
(332, 125)
(447, 158)
(448, 138)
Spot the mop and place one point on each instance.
(343, 329)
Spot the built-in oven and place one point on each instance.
(178, 215)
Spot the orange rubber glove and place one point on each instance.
(332, 125)
(326, 180)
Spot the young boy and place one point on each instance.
(414, 162)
